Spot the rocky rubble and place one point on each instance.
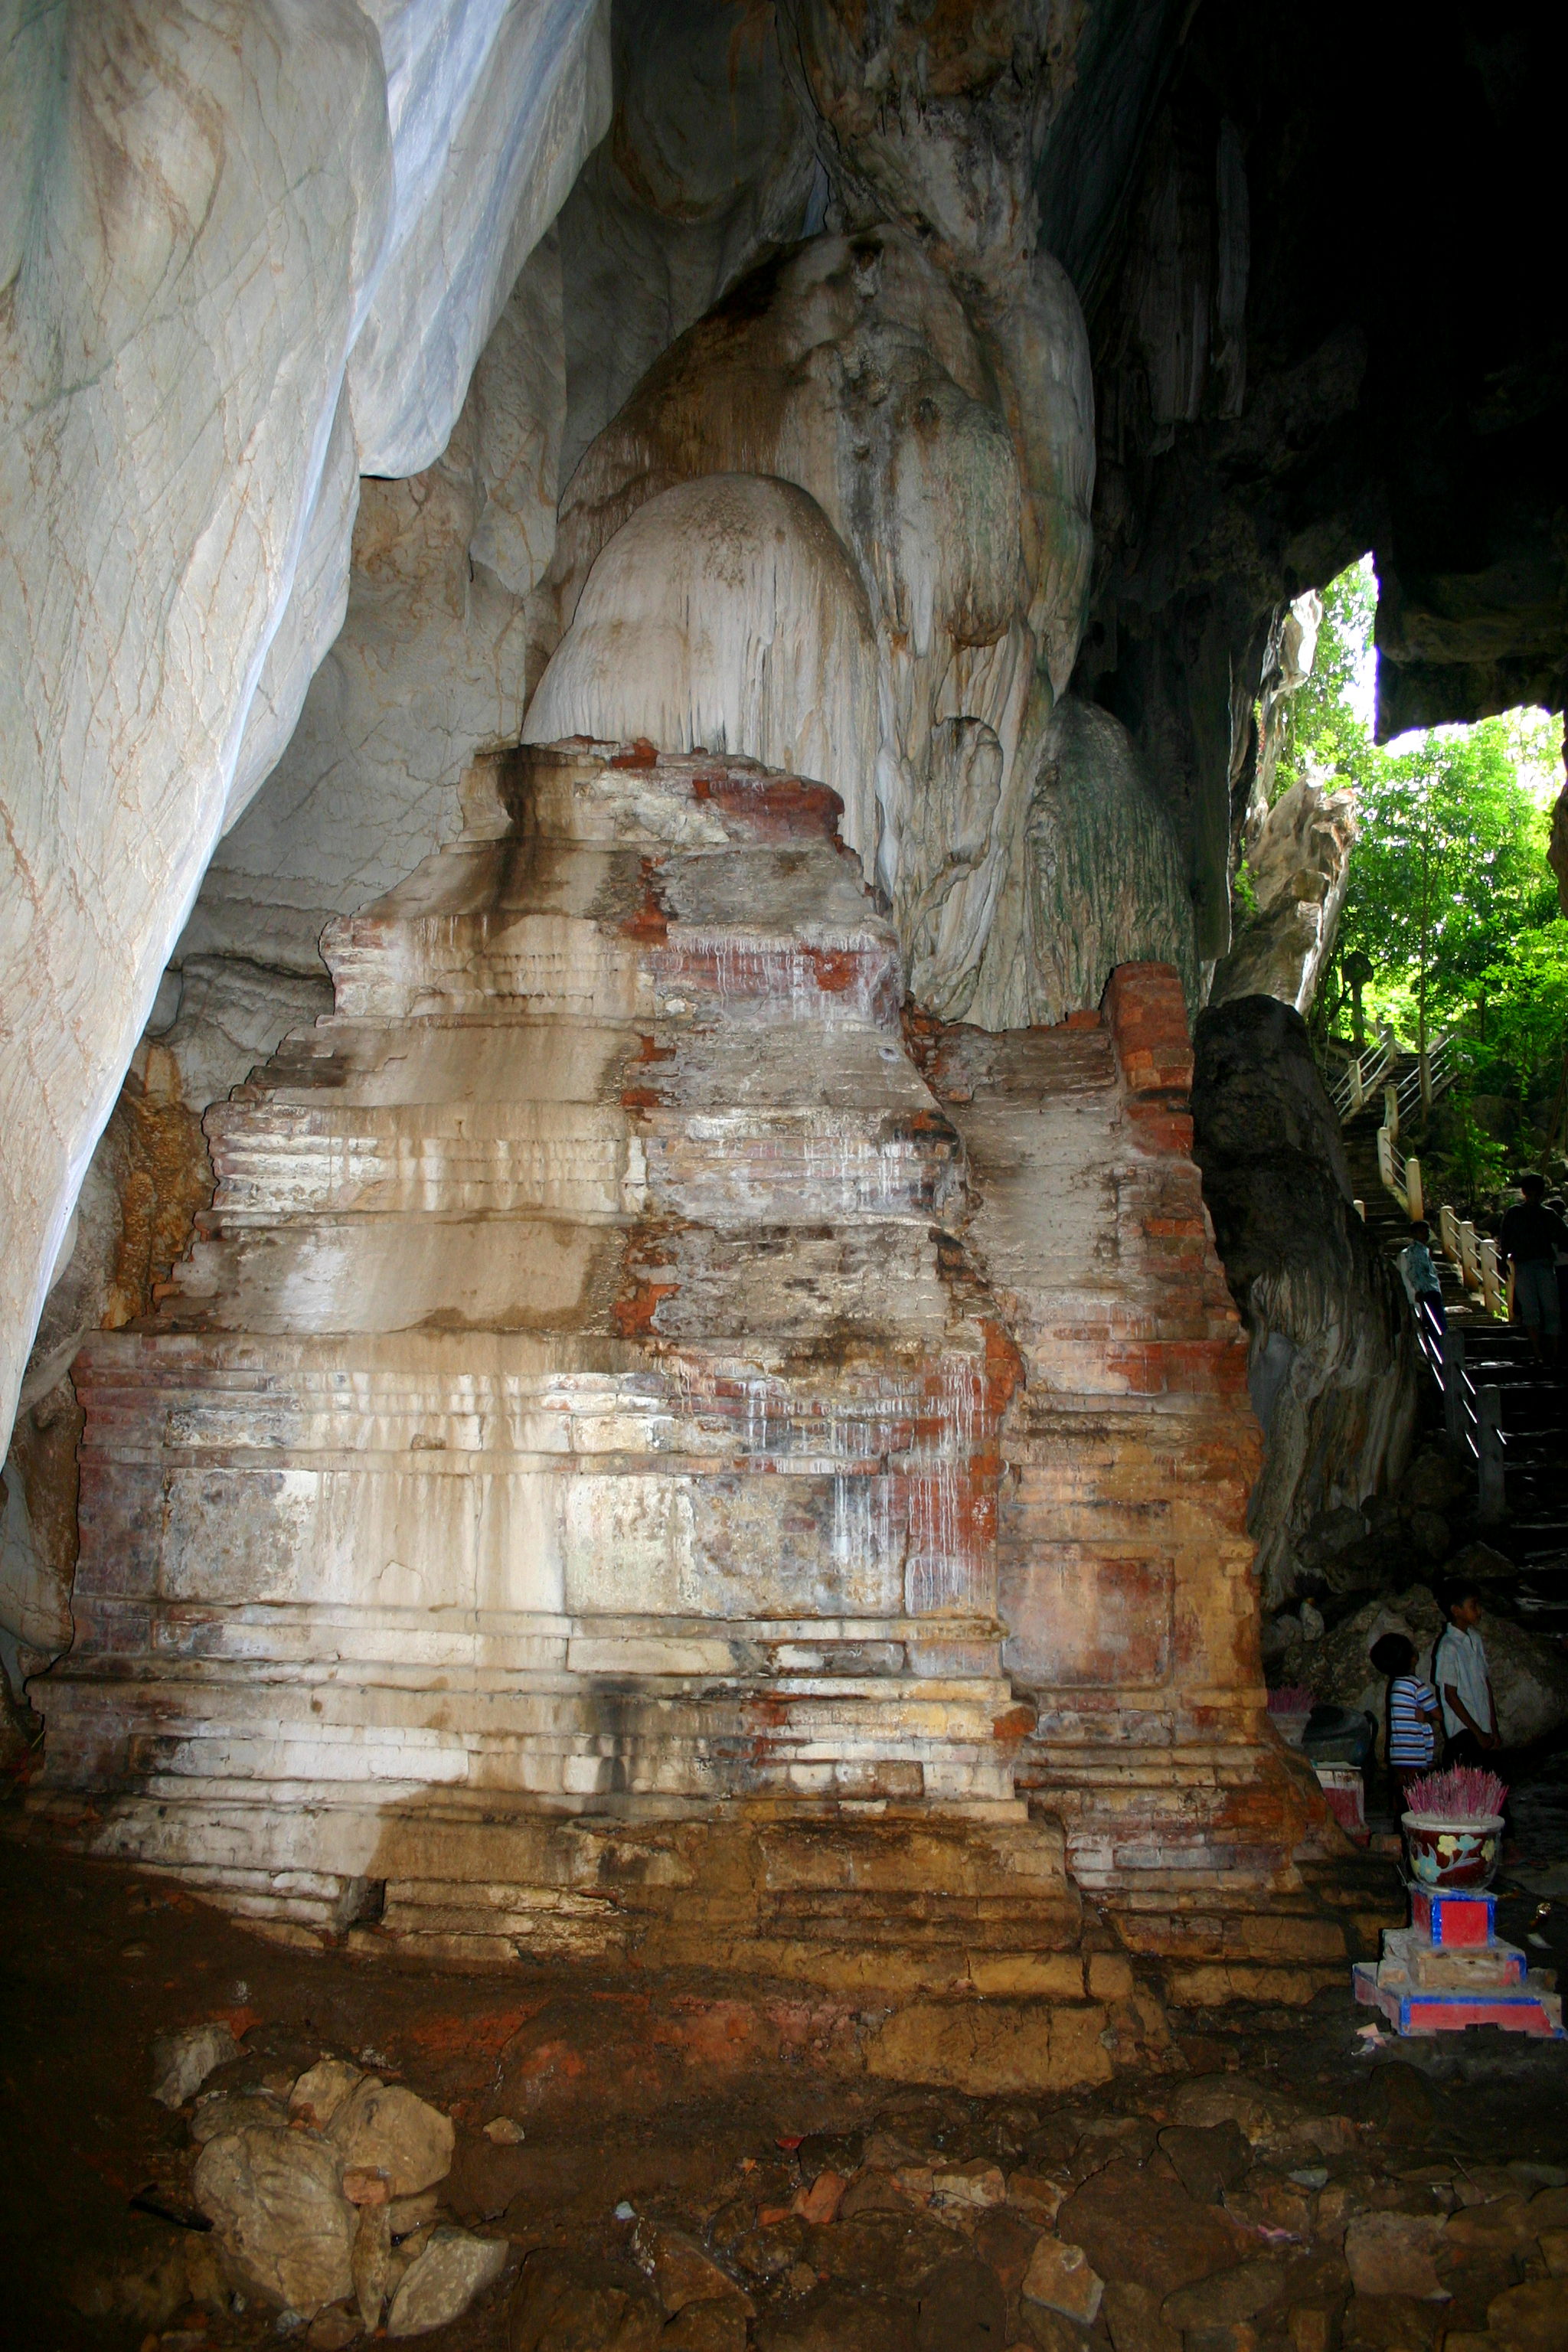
(1201, 2211)
(320, 2195)
(1222, 2217)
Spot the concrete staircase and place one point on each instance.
(1533, 1398)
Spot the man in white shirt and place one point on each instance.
(1463, 1680)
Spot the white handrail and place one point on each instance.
(1400, 1176)
(1475, 1255)
(1362, 1076)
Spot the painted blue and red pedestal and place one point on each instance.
(1449, 1969)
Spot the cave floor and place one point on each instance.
(661, 2096)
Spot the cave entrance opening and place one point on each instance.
(1442, 936)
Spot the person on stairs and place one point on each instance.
(1464, 1681)
(1529, 1238)
(1558, 1207)
(1419, 1275)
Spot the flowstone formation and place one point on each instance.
(556, 1506)
(902, 624)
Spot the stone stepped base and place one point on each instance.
(658, 1456)
(926, 1901)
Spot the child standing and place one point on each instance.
(1413, 1712)
(1461, 1672)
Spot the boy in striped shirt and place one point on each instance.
(1413, 1712)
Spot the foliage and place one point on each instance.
(1327, 722)
(1450, 892)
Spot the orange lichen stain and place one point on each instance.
(552, 2060)
(650, 921)
(774, 808)
(638, 753)
(1015, 1723)
(633, 1316)
(711, 2030)
(158, 1151)
(450, 2034)
(646, 1097)
(835, 970)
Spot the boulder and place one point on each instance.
(977, 2183)
(838, 2321)
(321, 2089)
(1226, 2297)
(441, 2282)
(1394, 2254)
(1499, 2226)
(1433, 1482)
(232, 2111)
(371, 2264)
(1207, 2159)
(1133, 2225)
(284, 2225)
(332, 2330)
(1329, 1535)
(1062, 2277)
(1529, 2318)
(1481, 1561)
(961, 2308)
(706, 2327)
(382, 2128)
(1429, 1534)
(182, 2061)
(1216, 2100)
(558, 2305)
(682, 2273)
(1134, 2315)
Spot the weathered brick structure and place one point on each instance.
(648, 1456)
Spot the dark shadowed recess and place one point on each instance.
(1316, 253)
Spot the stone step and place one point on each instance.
(423, 1395)
(717, 1289)
(621, 794)
(584, 1160)
(556, 1506)
(765, 935)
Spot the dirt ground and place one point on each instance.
(680, 2102)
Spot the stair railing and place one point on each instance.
(1399, 1175)
(1443, 1065)
(1362, 1077)
(1475, 1256)
(1473, 1425)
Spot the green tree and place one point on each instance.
(1449, 895)
(1327, 724)
(1449, 878)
